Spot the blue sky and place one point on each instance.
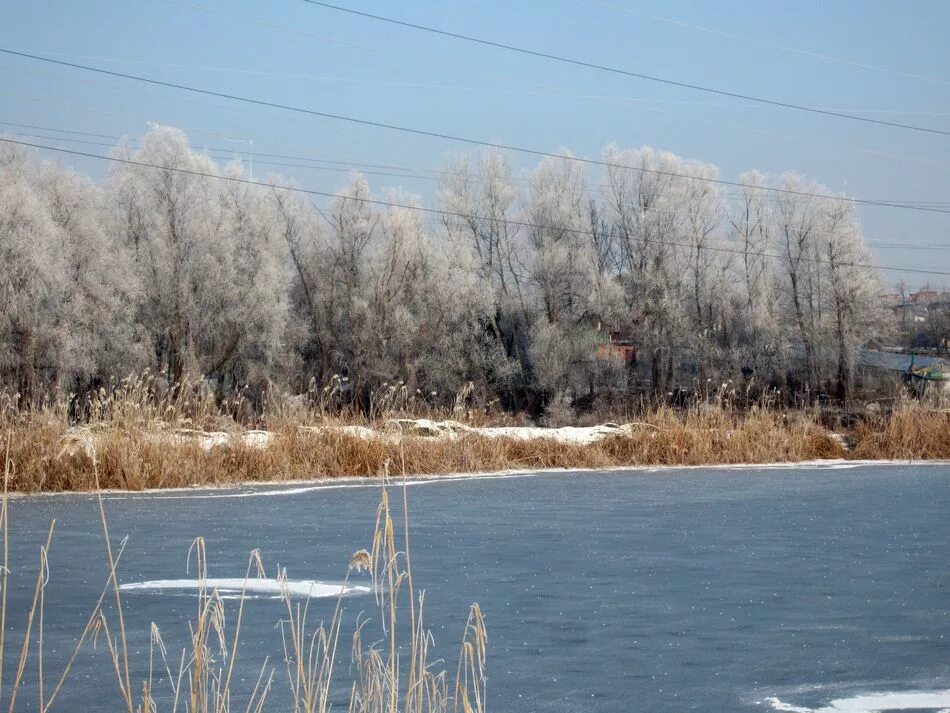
(334, 62)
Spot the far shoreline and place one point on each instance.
(140, 452)
(252, 488)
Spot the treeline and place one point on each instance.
(510, 292)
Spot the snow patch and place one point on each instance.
(82, 440)
(921, 701)
(230, 587)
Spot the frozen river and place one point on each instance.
(728, 590)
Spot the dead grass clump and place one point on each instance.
(720, 436)
(911, 431)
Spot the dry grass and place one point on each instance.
(145, 438)
(722, 437)
(133, 459)
(914, 430)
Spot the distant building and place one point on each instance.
(616, 342)
(917, 306)
(934, 376)
(924, 296)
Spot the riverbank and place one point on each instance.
(49, 455)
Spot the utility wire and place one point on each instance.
(336, 169)
(347, 43)
(772, 45)
(516, 80)
(216, 152)
(226, 154)
(318, 157)
(628, 73)
(447, 213)
(461, 139)
(644, 104)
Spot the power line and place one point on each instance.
(462, 139)
(515, 80)
(369, 169)
(643, 104)
(348, 167)
(351, 168)
(213, 150)
(773, 45)
(204, 132)
(347, 43)
(352, 163)
(907, 246)
(446, 213)
(628, 73)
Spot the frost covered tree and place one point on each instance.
(853, 289)
(102, 339)
(562, 261)
(69, 291)
(211, 291)
(571, 285)
(759, 347)
(182, 265)
(33, 281)
(245, 337)
(381, 304)
(799, 221)
(481, 203)
(648, 218)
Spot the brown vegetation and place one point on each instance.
(138, 441)
(912, 431)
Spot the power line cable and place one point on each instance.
(515, 80)
(225, 154)
(772, 45)
(349, 169)
(446, 213)
(628, 73)
(348, 166)
(216, 134)
(344, 167)
(216, 152)
(353, 164)
(643, 104)
(462, 139)
(348, 43)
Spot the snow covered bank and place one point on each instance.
(83, 439)
(153, 455)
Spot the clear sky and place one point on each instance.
(294, 53)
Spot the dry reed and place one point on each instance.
(912, 431)
(144, 437)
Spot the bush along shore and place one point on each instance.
(137, 441)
